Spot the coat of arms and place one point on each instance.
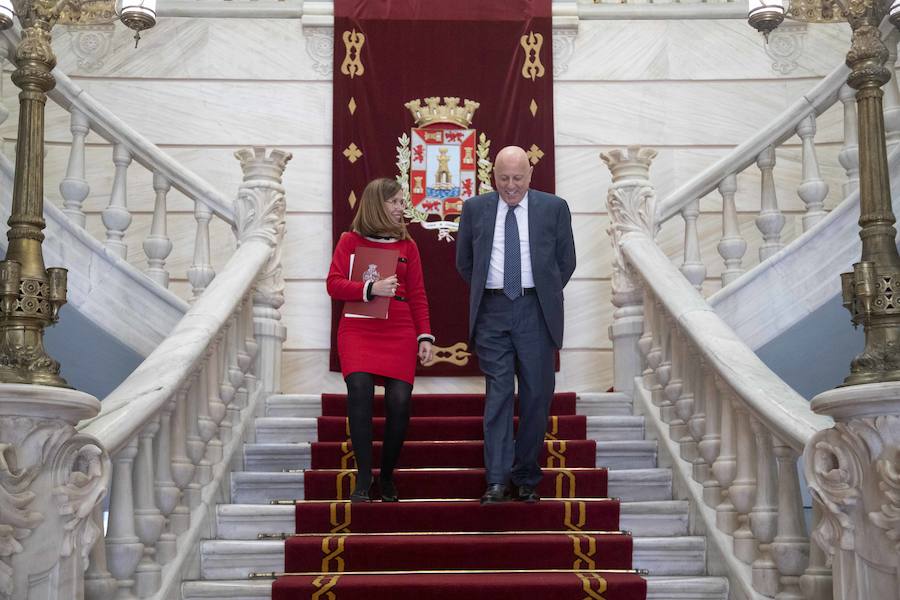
(442, 163)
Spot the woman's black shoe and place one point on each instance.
(361, 494)
(388, 490)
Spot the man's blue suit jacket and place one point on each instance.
(552, 252)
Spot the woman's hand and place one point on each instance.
(385, 287)
(426, 352)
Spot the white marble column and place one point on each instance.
(631, 204)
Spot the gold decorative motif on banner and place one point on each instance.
(535, 154)
(485, 166)
(350, 478)
(533, 107)
(561, 478)
(351, 106)
(584, 557)
(587, 584)
(580, 517)
(348, 460)
(352, 199)
(333, 555)
(448, 112)
(553, 429)
(531, 44)
(352, 153)
(347, 428)
(457, 354)
(324, 583)
(339, 517)
(556, 456)
(352, 65)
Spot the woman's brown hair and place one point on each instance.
(371, 217)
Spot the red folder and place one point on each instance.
(371, 264)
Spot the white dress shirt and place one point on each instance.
(495, 269)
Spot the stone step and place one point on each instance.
(280, 430)
(622, 454)
(255, 487)
(234, 559)
(246, 521)
(606, 404)
(658, 588)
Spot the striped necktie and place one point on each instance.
(512, 257)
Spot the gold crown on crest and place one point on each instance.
(449, 112)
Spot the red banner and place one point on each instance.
(428, 92)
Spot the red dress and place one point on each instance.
(383, 347)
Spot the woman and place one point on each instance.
(380, 351)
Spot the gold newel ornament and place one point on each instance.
(449, 112)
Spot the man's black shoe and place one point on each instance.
(527, 494)
(495, 493)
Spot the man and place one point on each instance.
(516, 251)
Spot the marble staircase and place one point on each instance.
(663, 545)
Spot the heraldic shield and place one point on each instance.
(442, 163)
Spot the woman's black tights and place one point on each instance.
(360, 396)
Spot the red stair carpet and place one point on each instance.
(430, 546)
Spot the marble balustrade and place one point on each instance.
(732, 429)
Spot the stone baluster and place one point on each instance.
(157, 246)
(74, 187)
(182, 465)
(148, 520)
(259, 213)
(849, 154)
(711, 443)
(232, 377)
(675, 388)
(743, 490)
(664, 368)
(251, 379)
(645, 342)
(241, 393)
(812, 190)
(201, 271)
(764, 517)
(770, 221)
(725, 467)
(207, 425)
(98, 581)
(631, 202)
(732, 246)
(685, 402)
(116, 216)
(891, 98)
(123, 547)
(817, 581)
(196, 446)
(167, 492)
(704, 393)
(791, 546)
(692, 268)
(214, 449)
(654, 356)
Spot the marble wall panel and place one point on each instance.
(186, 48)
(669, 49)
(205, 112)
(593, 249)
(671, 113)
(307, 315)
(588, 314)
(308, 246)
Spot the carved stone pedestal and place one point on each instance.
(51, 480)
(854, 470)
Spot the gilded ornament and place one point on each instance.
(531, 44)
(353, 43)
(352, 153)
(534, 154)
